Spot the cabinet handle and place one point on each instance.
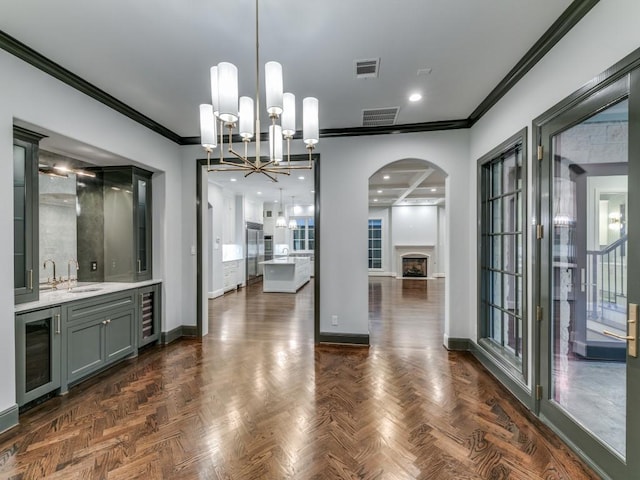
(30, 279)
(57, 318)
(139, 266)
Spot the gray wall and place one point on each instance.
(91, 230)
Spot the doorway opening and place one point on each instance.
(260, 246)
(407, 248)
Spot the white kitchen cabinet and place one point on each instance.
(231, 272)
(229, 220)
(253, 211)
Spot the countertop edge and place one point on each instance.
(60, 297)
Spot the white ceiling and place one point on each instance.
(155, 56)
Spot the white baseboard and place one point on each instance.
(382, 274)
(216, 293)
(438, 275)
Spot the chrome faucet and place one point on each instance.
(53, 282)
(69, 271)
(285, 251)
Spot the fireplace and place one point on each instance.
(414, 261)
(414, 267)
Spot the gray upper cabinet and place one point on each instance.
(127, 224)
(142, 221)
(25, 215)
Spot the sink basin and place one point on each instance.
(84, 289)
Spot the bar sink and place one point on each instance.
(84, 289)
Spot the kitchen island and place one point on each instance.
(285, 275)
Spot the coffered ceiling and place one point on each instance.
(407, 182)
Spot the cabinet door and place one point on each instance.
(85, 348)
(37, 353)
(25, 220)
(119, 335)
(142, 225)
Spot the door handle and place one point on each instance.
(139, 266)
(57, 318)
(30, 279)
(632, 331)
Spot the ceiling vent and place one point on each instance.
(367, 68)
(378, 117)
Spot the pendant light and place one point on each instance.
(293, 225)
(281, 222)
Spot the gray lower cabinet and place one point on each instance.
(38, 347)
(63, 344)
(98, 332)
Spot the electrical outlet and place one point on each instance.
(334, 320)
(94, 266)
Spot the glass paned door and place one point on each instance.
(589, 273)
(588, 263)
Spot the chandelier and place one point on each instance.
(227, 112)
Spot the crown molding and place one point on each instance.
(569, 18)
(32, 57)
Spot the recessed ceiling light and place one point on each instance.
(434, 189)
(386, 177)
(300, 177)
(234, 180)
(259, 193)
(379, 191)
(375, 199)
(275, 201)
(415, 97)
(313, 191)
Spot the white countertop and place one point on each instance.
(285, 261)
(83, 290)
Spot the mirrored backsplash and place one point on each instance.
(58, 209)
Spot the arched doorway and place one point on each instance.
(407, 251)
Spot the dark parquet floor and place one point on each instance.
(256, 400)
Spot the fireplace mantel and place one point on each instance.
(424, 250)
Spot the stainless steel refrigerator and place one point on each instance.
(255, 254)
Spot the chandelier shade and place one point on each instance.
(288, 115)
(228, 91)
(207, 126)
(273, 84)
(310, 129)
(214, 90)
(246, 118)
(275, 143)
